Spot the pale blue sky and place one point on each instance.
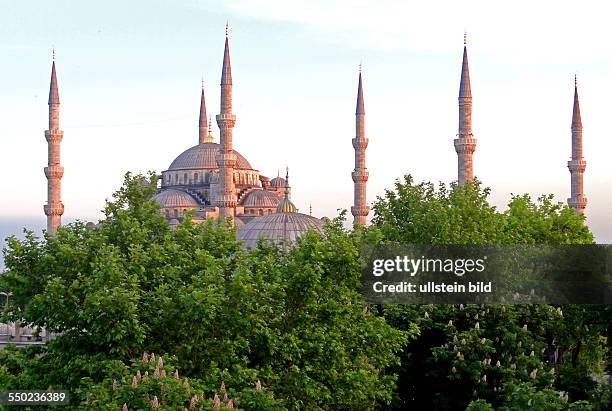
(129, 76)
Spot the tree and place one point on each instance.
(155, 383)
(466, 353)
(293, 319)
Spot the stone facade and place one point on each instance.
(226, 198)
(465, 143)
(360, 175)
(577, 164)
(54, 171)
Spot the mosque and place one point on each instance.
(214, 181)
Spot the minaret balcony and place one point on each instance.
(465, 145)
(227, 160)
(360, 143)
(577, 202)
(360, 211)
(54, 172)
(54, 136)
(226, 200)
(54, 208)
(226, 120)
(360, 176)
(576, 165)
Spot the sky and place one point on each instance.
(129, 78)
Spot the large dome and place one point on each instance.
(278, 227)
(169, 198)
(203, 156)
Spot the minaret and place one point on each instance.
(465, 143)
(226, 159)
(577, 164)
(360, 175)
(202, 120)
(54, 171)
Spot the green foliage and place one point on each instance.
(526, 396)
(423, 214)
(479, 405)
(154, 383)
(293, 318)
(454, 361)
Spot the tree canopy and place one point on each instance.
(292, 319)
(286, 328)
(490, 353)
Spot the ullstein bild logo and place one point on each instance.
(510, 274)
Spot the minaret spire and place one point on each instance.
(360, 174)
(54, 209)
(577, 164)
(226, 199)
(202, 125)
(465, 143)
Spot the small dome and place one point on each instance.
(203, 156)
(286, 206)
(278, 182)
(278, 227)
(260, 199)
(170, 198)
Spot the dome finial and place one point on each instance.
(360, 63)
(310, 210)
(464, 38)
(285, 205)
(202, 82)
(226, 28)
(53, 53)
(576, 79)
(287, 182)
(209, 137)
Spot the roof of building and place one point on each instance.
(278, 227)
(203, 156)
(175, 198)
(286, 206)
(277, 182)
(260, 199)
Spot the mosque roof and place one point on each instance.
(277, 182)
(175, 198)
(278, 227)
(203, 156)
(260, 198)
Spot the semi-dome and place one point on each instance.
(170, 198)
(260, 199)
(203, 156)
(278, 227)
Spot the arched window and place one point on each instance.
(195, 178)
(185, 178)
